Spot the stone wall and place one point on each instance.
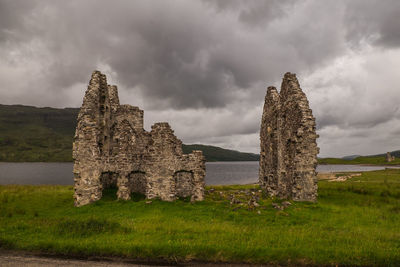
(389, 157)
(111, 148)
(288, 156)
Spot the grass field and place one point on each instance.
(356, 222)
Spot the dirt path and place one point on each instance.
(13, 258)
(35, 261)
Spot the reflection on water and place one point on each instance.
(238, 172)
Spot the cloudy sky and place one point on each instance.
(204, 66)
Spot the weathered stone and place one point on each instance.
(111, 148)
(288, 155)
(277, 206)
(389, 157)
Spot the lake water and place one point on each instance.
(242, 172)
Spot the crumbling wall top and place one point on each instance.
(111, 148)
(288, 156)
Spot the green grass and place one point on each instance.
(370, 160)
(354, 223)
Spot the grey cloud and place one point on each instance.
(12, 19)
(208, 62)
(180, 54)
(254, 12)
(374, 20)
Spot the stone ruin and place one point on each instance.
(111, 148)
(288, 155)
(389, 157)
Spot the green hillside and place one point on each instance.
(29, 134)
(213, 153)
(395, 153)
(36, 134)
(370, 160)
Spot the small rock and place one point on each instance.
(234, 200)
(149, 202)
(277, 206)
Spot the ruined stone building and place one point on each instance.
(111, 148)
(389, 157)
(288, 155)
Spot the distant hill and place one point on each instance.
(351, 157)
(36, 134)
(213, 153)
(379, 159)
(31, 134)
(395, 153)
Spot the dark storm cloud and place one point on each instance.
(204, 65)
(179, 53)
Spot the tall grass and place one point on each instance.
(353, 223)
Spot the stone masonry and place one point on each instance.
(111, 148)
(389, 157)
(288, 156)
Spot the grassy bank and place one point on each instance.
(370, 160)
(354, 223)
